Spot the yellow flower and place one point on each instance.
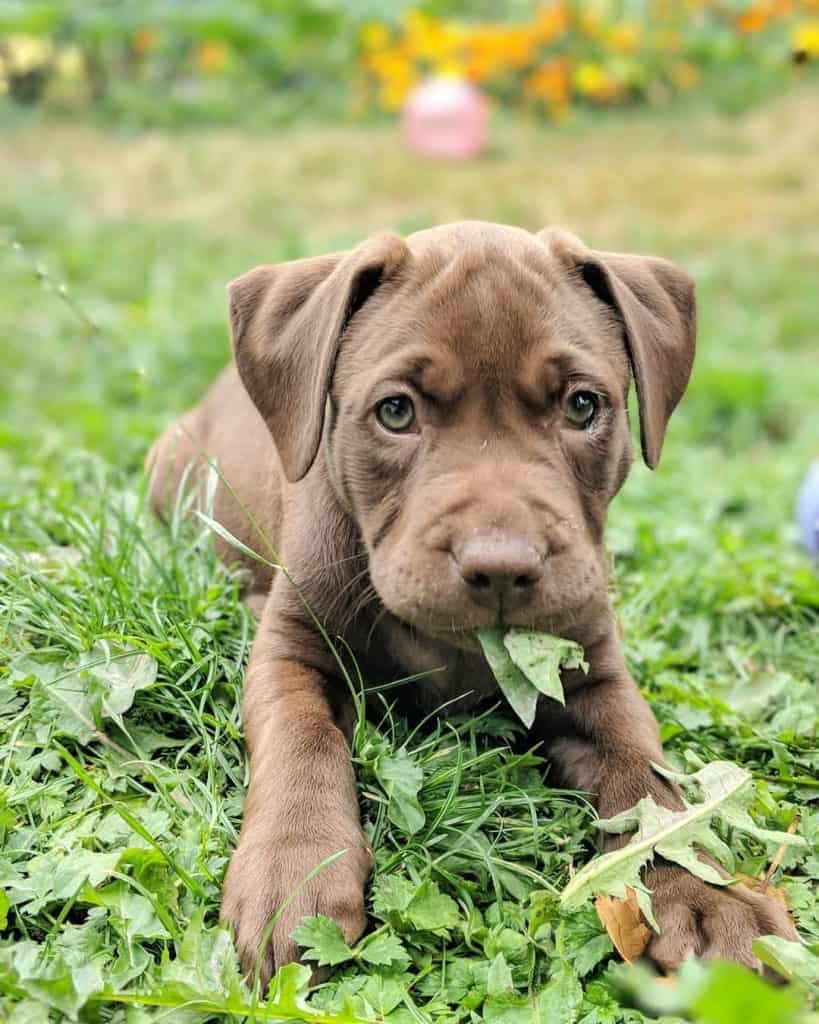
(484, 57)
(211, 56)
(550, 23)
(593, 81)
(625, 37)
(429, 39)
(374, 36)
(753, 20)
(391, 63)
(518, 46)
(395, 72)
(806, 39)
(450, 68)
(395, 90)
(549, 83)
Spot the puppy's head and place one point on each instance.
(466, 390)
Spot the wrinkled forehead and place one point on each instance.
(489, 311)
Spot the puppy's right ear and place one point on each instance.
(287, 321)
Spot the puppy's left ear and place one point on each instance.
(655, 302)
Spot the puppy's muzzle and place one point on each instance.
(499, 572)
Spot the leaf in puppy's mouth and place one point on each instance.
(527, 664)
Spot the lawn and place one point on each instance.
(122, 643)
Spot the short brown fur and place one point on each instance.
(492, 508)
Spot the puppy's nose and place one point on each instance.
(500, 572)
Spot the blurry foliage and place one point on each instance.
(166, 60)
(599, 52)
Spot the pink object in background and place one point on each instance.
(445, 117)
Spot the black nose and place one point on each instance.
(500, 572)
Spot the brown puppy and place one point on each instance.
(429, 432)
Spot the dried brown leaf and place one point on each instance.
(625, 924)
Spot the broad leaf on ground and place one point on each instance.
(73, 698)
(725, 791)
(322, 941)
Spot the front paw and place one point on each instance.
(709, 921)
(269, 868)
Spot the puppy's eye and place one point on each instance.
(396, 414)
(581, 408)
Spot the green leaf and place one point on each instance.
(583, 940)
(288, 988)
(66, 988)
(205, 964)
(431, 910)
(402, 780)
(72, 699)
(465, 980)
(793, 960)
(527, 664)
(509, 1008)
(59, 701)
(499, 978)
(80, 866)
(733, 995)
(511, 943)
(540, 656)
(423, 907)
(29, 1012)
(561, 996)
(392, 894)
(384, 950)
(514, 685)
(116, 672)
(323, 941)
(130, 913)
(725, 792)
(127, 967)
(384, 994)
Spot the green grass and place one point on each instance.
(122, 643)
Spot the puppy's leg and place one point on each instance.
(604, 742)
(301, 809)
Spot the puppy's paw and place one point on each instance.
(709, 921)
(265, 872)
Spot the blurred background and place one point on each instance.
(152, 151)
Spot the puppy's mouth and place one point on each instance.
(464, 637)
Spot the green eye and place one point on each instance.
(396, 414)
(581, 408)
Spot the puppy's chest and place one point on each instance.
(446, 673)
